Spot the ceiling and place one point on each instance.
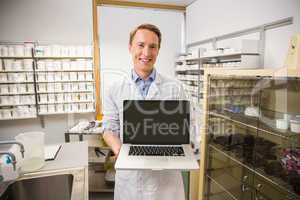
(169, 2)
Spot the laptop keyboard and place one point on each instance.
(156, 151)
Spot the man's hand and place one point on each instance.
(113, 141)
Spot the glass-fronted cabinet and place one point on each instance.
(252, 136)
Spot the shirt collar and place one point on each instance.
(136, 77)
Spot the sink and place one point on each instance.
(57, 187)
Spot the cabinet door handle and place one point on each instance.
(245, 178)
(245, 188)
(258, 187)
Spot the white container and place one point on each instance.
(30, 88)
(59, 108)
(282, 124)
(81, 76)
(51, 98)
(28, 64)
(13, 89)
(17, 65)
(47, 51)
(66, 65)
(295, 125)
(60, 97)
(64, 51)
(73, 65)
(19, 50)
(43, 98)
(3, 51)
(3, 77)
(89, 76)
(41, 77)
(42, 87)
(28, 49)
(11, 51)
(41, 65)
(49, 65)
(56, 65)
(56, 50)
(82, 86)
(8, 64)
(57, 76)
(4, 89)
(90, 107)
(22, 88)
(51, 108)
(73, 76)
(6, 113)
(34, 143)
(29, 77)
(64, 76)
(57, 87)
(50, 87)
(50, 77)
(43, 109)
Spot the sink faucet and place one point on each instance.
(12, 156)
(22, 150)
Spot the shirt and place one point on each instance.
(143, 85)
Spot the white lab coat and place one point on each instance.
(143, 184)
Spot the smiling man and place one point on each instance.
(143, 82)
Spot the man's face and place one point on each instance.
(144, 50)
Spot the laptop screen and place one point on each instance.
(158, 122)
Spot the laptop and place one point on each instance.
(156, 136)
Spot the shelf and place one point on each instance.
(64, 57)
(23, 104)
(228, 55)
(253, 123)
(17, 71)
(16, 57)
(20, 82)
(71, 112)
(64, 81)
(188, 59)
(17, 94)
(65, 102)
(62, 92)
(29, 117)
(71, 70)
(257, 171)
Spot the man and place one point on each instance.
(143, 82)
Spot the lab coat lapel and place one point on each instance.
(154, 91)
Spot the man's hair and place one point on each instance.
(149, 27)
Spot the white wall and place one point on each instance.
(50, 21)
(115, 24)
(54, 21)
(70, 22)
(209, 18)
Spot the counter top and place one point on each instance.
(70, 156)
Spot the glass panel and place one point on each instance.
(216, 192)
(277, 153)
(230, 174)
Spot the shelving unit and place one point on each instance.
(66, 83)
(17, 97)
(246, 156)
